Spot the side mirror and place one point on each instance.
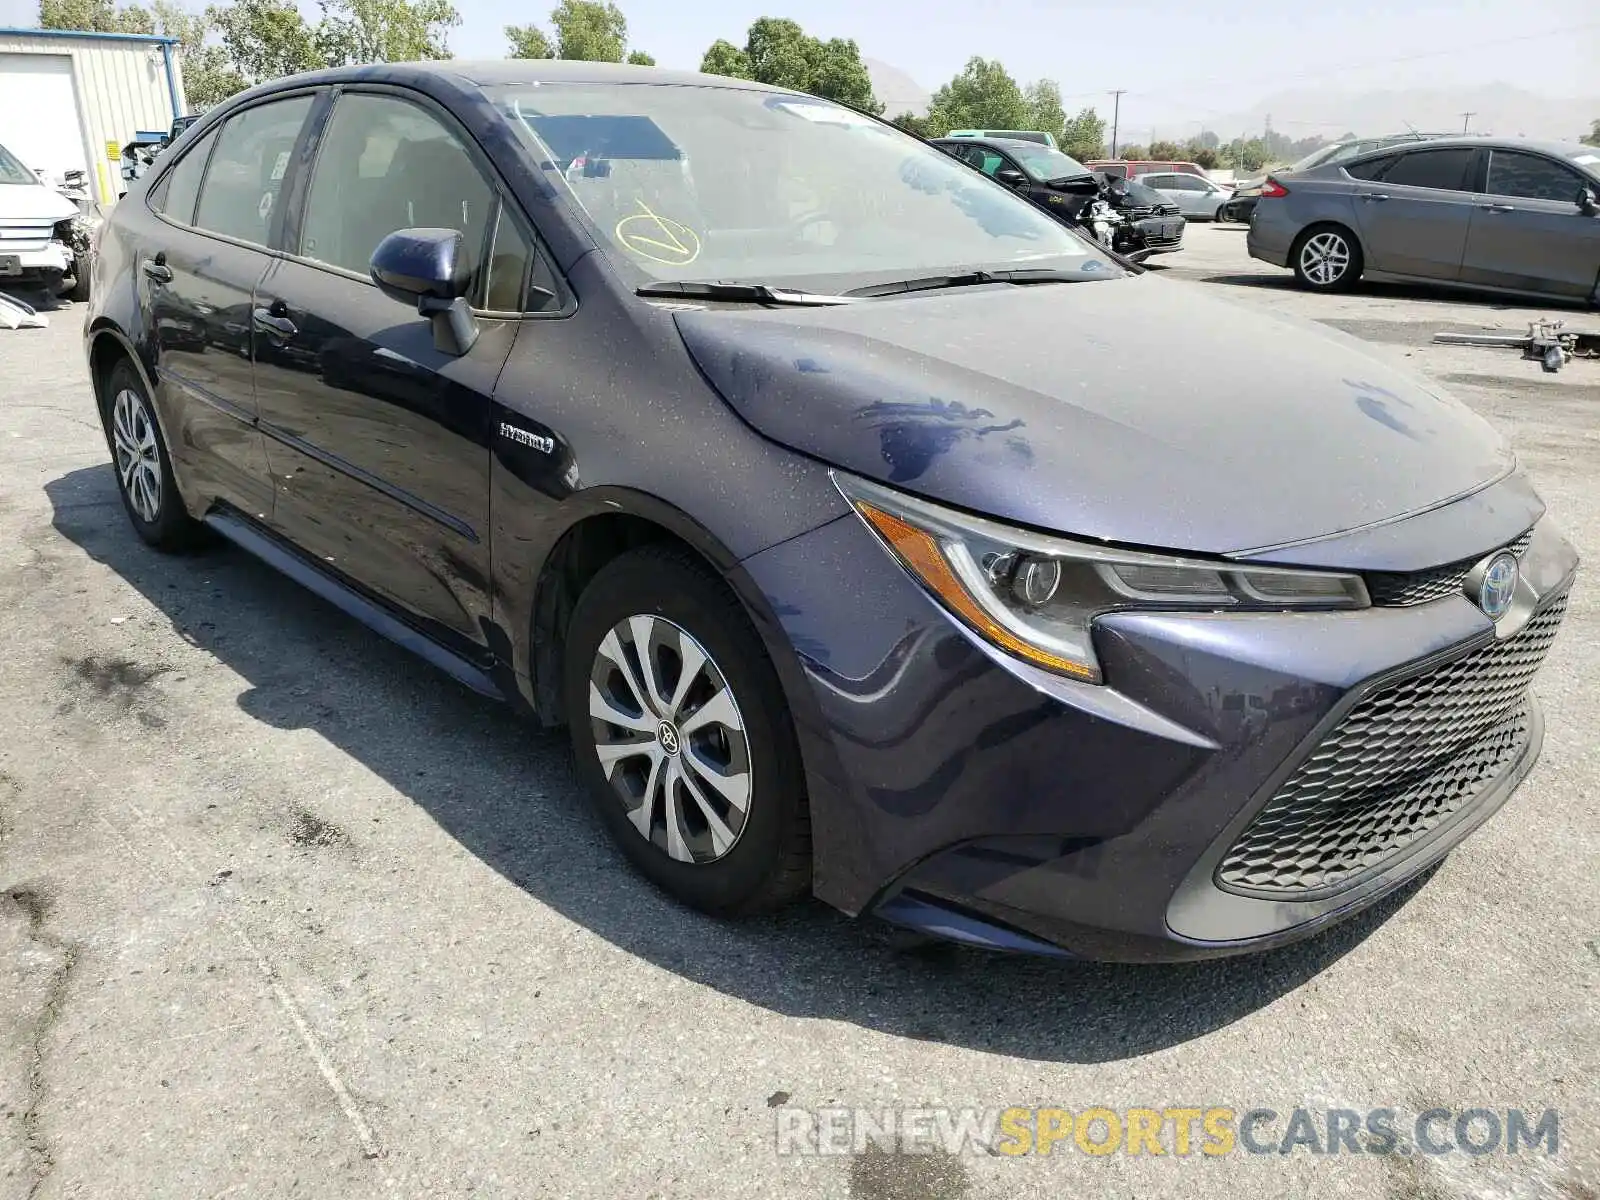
(431, 269)
(1011, 176)
(1587, 204)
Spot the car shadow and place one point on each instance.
(505, 792)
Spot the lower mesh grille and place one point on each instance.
(1401, 762)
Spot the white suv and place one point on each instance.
(41, 242)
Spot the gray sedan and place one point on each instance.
(1197, 198)
(1505, 215)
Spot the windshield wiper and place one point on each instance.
(755, 293)
(928, 283)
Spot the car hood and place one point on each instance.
(33, 202)
(1142, 411)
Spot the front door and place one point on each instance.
(1528, 231)
(379, 442)
(1414, 216)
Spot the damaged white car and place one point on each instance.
(45, 239)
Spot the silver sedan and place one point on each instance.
(1197, 198)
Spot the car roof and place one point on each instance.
(997, 142)
(512, 71)
(1567, 150)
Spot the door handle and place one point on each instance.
(156, 268)
(1374, 195)
(1498, 208)
(270, 322)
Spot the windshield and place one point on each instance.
(12, 171)
(696, 182)
(1045, 163)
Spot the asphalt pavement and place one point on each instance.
(286, 912)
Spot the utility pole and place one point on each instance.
(1466, 119)
(1116, 113)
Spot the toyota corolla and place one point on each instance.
(813, 482)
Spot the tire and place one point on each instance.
(746, 863)
(141, 464)
(1221, 214)
(82, 279)
(1334, 270)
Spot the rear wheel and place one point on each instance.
(1327, 258)
(144, 472)
(682, 737)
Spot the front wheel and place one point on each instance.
(1221, 214)
(1327, 258)
(82, 271)
(682, 737)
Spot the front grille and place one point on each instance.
(1402, 761)
(1401, 589)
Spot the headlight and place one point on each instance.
(1036, 596)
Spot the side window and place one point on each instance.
(1371, 169)
(1529, 177)
(242, 184)
(388, 164)
(1445, 170)
(179, 188)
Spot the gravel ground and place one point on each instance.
(286, 912)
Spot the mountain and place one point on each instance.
(897, 90)
(1498, 108)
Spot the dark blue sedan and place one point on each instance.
(819, 486)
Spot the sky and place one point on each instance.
(1178, 60)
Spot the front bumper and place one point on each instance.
(45, 265)
(963, 792)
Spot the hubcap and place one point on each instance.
(670, 738)
(133, 434)
(1325, 258)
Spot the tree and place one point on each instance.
(366, 31)
(264, 39)
(1592, 138)
(1202, 156)
(94, 16)
(589, 31)
(913, 124)
(777, 51)
(585, 30)
(528, 41)
(1084, 136)
(982, 96)
(1045, 113)
(1133, 152)
(1166, 151)
(726, 59)
(209, 76)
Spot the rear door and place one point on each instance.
(379, 442)
(1414, 217)
(1528, 231)
(199, 261)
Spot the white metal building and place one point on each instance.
(71, 101)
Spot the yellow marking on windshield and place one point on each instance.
(658, 238)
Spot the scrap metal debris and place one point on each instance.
(15, 314)
(1551, 342)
